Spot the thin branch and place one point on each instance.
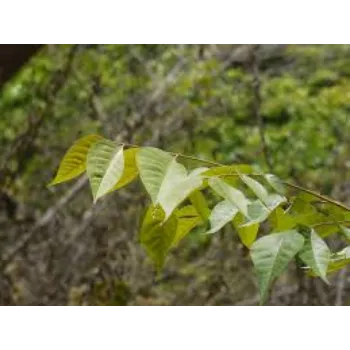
(318, 195)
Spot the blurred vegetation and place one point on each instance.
(194, 99)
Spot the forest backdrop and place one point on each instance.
(283, 108)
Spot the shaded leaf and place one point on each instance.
(105, 165)
(271, 255)
(73, 163)
(200, 203)
(157, 236)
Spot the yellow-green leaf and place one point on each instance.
(73, 163)
(199, 202)
(247, 232)
(157, 236)
(130, 169)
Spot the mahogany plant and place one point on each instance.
(208, 198)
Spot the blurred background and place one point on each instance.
(284, 108)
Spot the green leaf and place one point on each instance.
(105, 165)
(231, 194)
(130, 169)
(73, 163)
(165, 179)
(316, 254)
(157, 236)
(271, 255)
(258, 189)
(200, 203)
(222, 213)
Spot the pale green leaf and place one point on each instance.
(222, 213)
(153, 165)
(276, 183)
(271, 255)
(316, 254)
(231, 194)
(258, 189)
(73, 163)
(166, 180)
(105, 165)
(257, 212)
